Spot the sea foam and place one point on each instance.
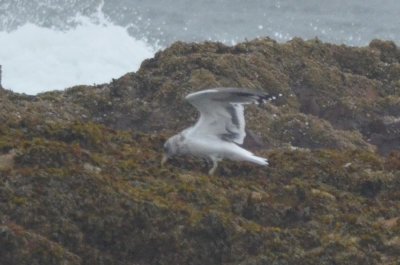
(35, 59)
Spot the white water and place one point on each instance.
(36, 59)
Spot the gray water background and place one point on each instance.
(351, 22)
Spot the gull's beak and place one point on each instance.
(164, 160)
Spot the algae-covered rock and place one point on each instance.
(81, 182)
(19, 246)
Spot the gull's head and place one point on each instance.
(171, 148)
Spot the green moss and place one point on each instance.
(6, 145)
(19, 200)
(41, 153)
(88, 135)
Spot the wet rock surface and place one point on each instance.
(80, 181)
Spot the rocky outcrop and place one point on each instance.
(80, 181)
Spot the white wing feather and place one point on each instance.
(222, 112)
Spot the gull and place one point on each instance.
(220, 128)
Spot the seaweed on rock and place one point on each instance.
(80, 180)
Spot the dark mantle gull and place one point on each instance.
(220, 129)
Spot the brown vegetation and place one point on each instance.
(80, 181)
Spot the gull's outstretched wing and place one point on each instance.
(222, 113)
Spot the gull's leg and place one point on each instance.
(214, 167)
(164, 160)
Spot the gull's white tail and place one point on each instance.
(258, 160)
(238, 153)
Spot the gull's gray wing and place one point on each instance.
(222, 113)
